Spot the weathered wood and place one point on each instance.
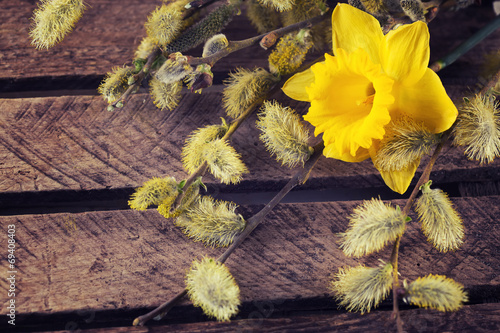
(109, 31)
(106, 36)
(72, 142)
(125, 259)
(471, 318)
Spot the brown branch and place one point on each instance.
(241, 44)
(160, 311)
(424, 178)
(139, 77)
(298, 179)
(491, 83)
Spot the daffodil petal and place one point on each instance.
(353, 29)
(400, 180)
(295, 87)
(349, 103)
(427, 102)
(407, 41)
(331, 152)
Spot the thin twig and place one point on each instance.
(241, 44)
(159, 311)
(298, 179)
(491, 83)
(139, 76)
(424, 178)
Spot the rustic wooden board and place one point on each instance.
(472, 318)
(109, 31)
(127, 260)
(72, 142)
(106, 36)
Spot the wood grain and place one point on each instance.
(73, 143)
(109, 31)
(129, 259)
(106, 36)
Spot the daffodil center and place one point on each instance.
(370, 95)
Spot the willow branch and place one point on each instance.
(491, 83)
(139, 76)
(298, 179)
(160, 311)
(234, 46)
(233, 126)
(424, 178)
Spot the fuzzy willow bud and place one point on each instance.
(404, 143)
(53, 20)
(371, 227)
(414, 9)
(303, 10)
(245, 87)
(362, 288)
(224, 162)
(165, 95)
(115, 83)
(478, 128)
(283, 134)
(213, 222)
(278, 5)
(211, 286)
(289, 53)
(145, 48)
(174, 69)
(192, 153)
(191, 194)
(154, 192)
(264, 19)
(215, 44)
(436, 292)
(164, 24)
(440, 222)
(203, 30)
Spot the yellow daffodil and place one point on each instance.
(373, 79)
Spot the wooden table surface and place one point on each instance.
(87, 262)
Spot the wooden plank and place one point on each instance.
(73, 143)
(106, 36)
(471, 318)
(134, 260)
(109, 32)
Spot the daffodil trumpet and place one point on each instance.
(372, 81)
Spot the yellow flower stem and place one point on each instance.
(463, 48)
(241, 44)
